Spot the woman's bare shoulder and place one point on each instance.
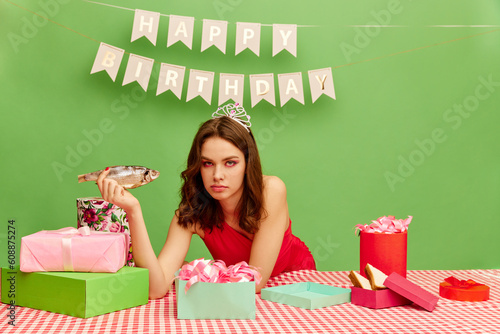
(274, 185)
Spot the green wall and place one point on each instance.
(414, 129)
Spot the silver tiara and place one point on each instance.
(236, 112)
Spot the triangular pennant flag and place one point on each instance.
(231, 87)
(285, 38)
(171, 77)
(247, 36)
(321, 82)
(180, 28)
(138, 69)
(108, 58)
(214, 33)
(145, 24)
(290, 86)
(262, 88)
(200, 83)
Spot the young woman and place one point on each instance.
(240, 214)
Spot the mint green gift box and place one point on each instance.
(307, 295)
(206, 300)
(77, 294)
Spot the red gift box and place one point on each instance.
(385, 251)
(469, 290)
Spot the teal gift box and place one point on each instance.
(206, 300)
(77, 294)
(307, 295)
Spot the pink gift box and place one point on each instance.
(71, 249)
(377, 298)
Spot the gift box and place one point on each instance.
(411, 291)
(463, 290)
(207, 289)
(205, 300)
(71, 249)
(100, 215)
(377, 299)
(80, 295)
(383, 244)
(307, 295)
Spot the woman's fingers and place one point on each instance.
(101, 177)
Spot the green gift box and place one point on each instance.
(307, 295)
(77, 294)
(206, 300)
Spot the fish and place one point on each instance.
(128, 177)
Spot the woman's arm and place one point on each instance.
(268, 239)
(161, 269)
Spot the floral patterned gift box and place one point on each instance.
(100, 215)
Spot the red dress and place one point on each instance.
(230, 246)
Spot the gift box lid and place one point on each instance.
(411, 291)
(307, 295)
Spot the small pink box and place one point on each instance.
(413, 292)
(377, 298)
(71, 249)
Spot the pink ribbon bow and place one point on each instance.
(202, 270)
(386, 225)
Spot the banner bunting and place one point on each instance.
(285, 38)
(108, 58)
(321, 82)
(171, 78)
(138, 69)
(231, 87)
(214, 33)
(247, 36)
(290, 86)
(201, 83)
(262, 88)
(180, 28)
(145, 24)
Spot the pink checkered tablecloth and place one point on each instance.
(159, 316)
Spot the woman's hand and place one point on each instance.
(112, 192)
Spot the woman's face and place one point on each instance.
(222, 170)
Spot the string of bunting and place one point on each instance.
(200, 83)
(214, 32)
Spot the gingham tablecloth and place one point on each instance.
(159, 316)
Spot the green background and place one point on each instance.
(393, 143)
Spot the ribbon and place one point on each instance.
(463, 284)
(211, 271)
(68, 233)
(385, 225)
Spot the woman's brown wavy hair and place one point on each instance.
(197, 205)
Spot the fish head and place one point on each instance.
(150, 175)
